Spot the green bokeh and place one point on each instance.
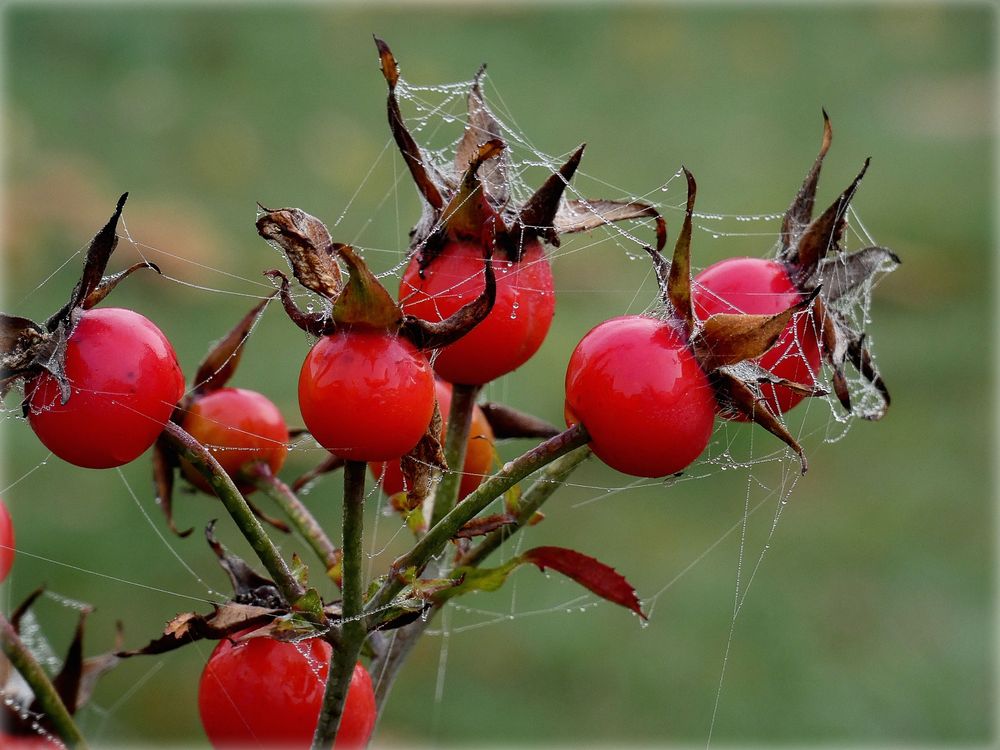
(870, 618)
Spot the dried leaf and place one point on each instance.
(824, 233)
(590, 573)
(421, 464)
(222, 359)
(678, 290)
(164, 464)
(750, 372)
(190, 627)
(537, 216)
(20, 341)
(404, 141)
(306, 242)
(799, 213)
(67, 682)
(507, 422)
(249, 586)
(316, 324)
(486, 524)
(364, 300)
(843, 274)
(482, 126)
(728, 338)
(95, 667)
(738, 395)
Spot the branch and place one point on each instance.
(203, 460)
(45, 692)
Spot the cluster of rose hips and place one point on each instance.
(744, 339)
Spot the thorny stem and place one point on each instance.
(463, 400)
(203, 460)
(551, 479)
(42, 687)
(352, 629)
(435, 540)
(398, 646)
(303, 521)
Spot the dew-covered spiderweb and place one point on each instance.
(608, 263)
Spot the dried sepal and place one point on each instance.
(485, 524)
(421, 464)
(223, 358)
(270, 520)
(678, 291)
(823, 235)
(538, 215)
(736, 394)
(108, 283)
(249, 586)
(316, 324)
(164, 464)
(24, 347)
(98, 254)
(844, 273)
(364, 300)
(799, 213)
(407, 146)
(427, 335)
(583, 215)
(728, 338)
(482, 126)
(507, 422)
(750, 372)
(306, 242)
(469, 214)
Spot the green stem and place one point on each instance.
(463, 400)
(203, 460)
(45, 692)
(551, 479)
(302, 520)
(352, 629)
(435, 540)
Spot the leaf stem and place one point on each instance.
(352, 629)
(45, 692)
(463, 400)
(203, 460)
(302, 519)
(435, 540)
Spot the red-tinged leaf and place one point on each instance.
(482, 526)
(590, 573)
(306, 242)
(364, 300)
(223, 358)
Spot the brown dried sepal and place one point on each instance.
(486, 524)
(507, 422)
(224, 357)
(363, 299)
(538, 215)
(482, 126)
(316, 324)
(249, 586)
(421, 464)
(469, 215)
(165, 463)
(306, 242)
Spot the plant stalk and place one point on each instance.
(435, 540)
(302, 519)
(352, 629)
(463, 400)
(45, 692)
(203, 460)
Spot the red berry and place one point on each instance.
(6, 541)
(125, 383)
(366, 394)
(644, 399)
(515, 327)
(762, 287)
(478, 450)
(238, 426)
(267, 693)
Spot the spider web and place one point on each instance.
(436, 117)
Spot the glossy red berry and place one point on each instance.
(366, 394)
(757, 286)
(6, 541)
(636, 387)
(479, 452)
(263, 693)
(515, 327)
(239, 427)
(125, 383)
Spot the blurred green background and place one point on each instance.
(870, 618)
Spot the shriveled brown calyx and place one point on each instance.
(727, 345)
(812, 252)
(544, 216)
(215, 371)
(28, 348)
(74, 683)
